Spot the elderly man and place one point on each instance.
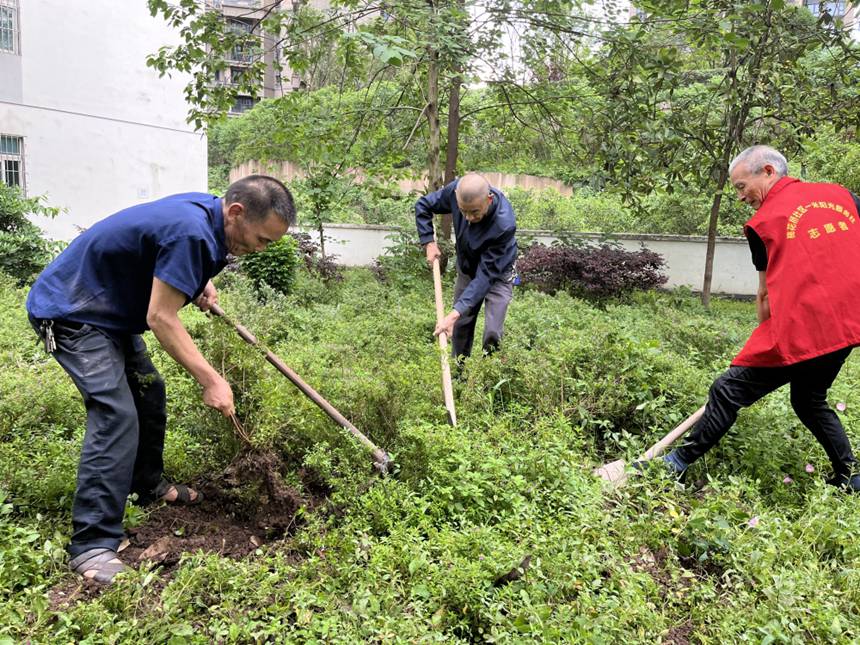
(805, 243)
(484, 226)
(131, 272)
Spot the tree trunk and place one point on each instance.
(434, 170)
(452, 151)
(712, 233)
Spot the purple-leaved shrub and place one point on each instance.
(590, 271)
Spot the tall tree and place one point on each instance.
(697, 81)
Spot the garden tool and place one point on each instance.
(616, 472)
(447, 389)
(381, 458)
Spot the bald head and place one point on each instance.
(473, 197)
(472, 186)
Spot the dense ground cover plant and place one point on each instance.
(737, 556)
(274, 267)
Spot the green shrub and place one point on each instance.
(23, 250)
(275, 267)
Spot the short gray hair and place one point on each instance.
(757, 157)
(261, 195)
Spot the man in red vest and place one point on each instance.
(805, 243)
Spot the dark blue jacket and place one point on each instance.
(486, 251)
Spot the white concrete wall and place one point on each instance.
(733, 273)
(101, 130)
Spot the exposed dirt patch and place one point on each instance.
(654, 564)
(224, 523)
(679, 635)
(72, 590)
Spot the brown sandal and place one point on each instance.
(99, 560)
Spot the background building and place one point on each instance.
(245, 16)
(848, 12)
(83, 120)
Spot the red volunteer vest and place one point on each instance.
(812, 236)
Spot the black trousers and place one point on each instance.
(124, 396)
(740, 387)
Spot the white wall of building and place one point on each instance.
(733, 274)
(101, 130)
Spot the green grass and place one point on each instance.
(414, 557)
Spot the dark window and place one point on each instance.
(243, 104)
(11, 160)
(243, 52)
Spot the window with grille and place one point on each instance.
(12, 160)
(242, 104)
(9, 39)
(243, 51)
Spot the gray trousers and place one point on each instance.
(122, 451)
(495, 308)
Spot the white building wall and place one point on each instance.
(101, 130)
(734, 273)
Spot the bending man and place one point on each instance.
(484, 226)
(131, 272)
(805, 243)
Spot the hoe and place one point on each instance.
(380, 457)
(447, 389)
(616, 472)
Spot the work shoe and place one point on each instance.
(848, 483)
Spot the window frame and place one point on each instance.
(15, 30)
(8, 158)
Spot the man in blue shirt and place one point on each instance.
(485, 228)
(131, 272)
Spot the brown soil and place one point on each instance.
(679, 635)
(224, 523)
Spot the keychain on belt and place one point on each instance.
(47, 329)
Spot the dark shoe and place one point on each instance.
(101, 564)
(848, 483)
(183, 494)
(671, 463)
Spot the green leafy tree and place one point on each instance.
(695, 82)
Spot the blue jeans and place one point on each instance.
(122, 451)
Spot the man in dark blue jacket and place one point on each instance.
(131, 272)
(485, 228)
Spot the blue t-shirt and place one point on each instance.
(104, 277)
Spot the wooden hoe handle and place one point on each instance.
(447, 389)
(381, 457)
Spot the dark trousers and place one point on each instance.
(495, 309)
(740, 387)
(122, 451)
